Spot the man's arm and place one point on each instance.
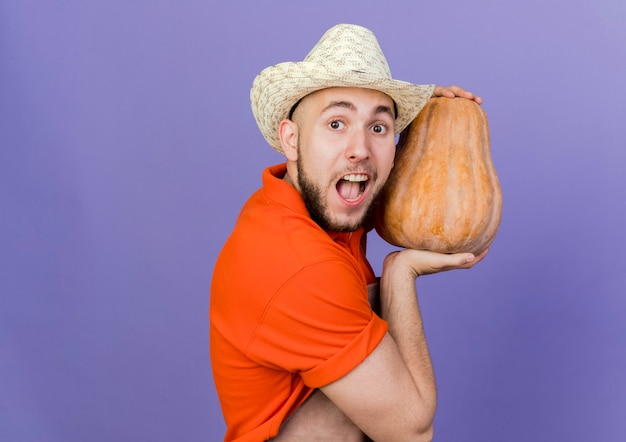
(391, 395)
(319, 418)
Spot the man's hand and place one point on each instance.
(455, 91)
(423, 262)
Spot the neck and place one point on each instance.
(288, 178)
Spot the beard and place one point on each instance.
(313, 197)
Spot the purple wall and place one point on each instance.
(127, 146)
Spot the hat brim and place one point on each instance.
(278, 88)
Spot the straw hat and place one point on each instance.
(345, 56)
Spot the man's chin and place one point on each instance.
(343, 224)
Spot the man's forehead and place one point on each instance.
(351, 98)
(346, 93)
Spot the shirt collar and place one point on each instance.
(283, 193)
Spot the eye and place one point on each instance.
(379, 129)
(336, 124)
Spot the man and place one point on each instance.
(297, 352)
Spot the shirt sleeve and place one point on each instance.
(318, 324)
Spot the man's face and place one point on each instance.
(345, 151)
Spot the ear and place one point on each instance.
(288, 134)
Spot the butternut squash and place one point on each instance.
(443, 193)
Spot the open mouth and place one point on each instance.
(352, 187)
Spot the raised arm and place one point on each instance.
(391, 395)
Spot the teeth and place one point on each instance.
(357, 178)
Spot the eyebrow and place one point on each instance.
(348, 105)
(344, 104)
(385, 110)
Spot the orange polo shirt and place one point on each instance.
(288, 313)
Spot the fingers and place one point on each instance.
(455, 91)
(457, 261)
(444, 92)
(423, 262)
(469, 260)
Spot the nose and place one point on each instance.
(358, 147)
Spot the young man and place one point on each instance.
(297, 352)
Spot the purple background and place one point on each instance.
(127, 147)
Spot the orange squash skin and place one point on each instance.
(443, 193)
